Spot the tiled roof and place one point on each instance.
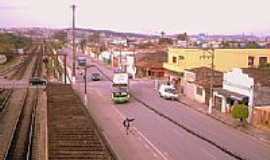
(261, 76)
(151, 60)
(203, 77)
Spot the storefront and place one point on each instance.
(224, 99)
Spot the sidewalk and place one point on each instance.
(225, 118)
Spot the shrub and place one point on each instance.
(1, 99)
(240, 111)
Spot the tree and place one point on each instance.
(240, 111)
(182, 37)
(83, 44)
(94, 38)
(9, 41)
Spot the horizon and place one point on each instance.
(122, 16)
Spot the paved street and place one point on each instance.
(151, 129)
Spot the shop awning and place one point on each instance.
(230, 94)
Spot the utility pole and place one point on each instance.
(73, 42)
(212, 81)
(121, 57)
(65, 68)
(211, 51)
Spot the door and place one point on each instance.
(217, 103)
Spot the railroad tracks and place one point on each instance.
(18, 121)
(71, 132)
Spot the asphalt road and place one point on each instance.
(172, 141)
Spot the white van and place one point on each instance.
(168, 92)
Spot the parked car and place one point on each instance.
(38, 81)
(168, 92)
(95, 77)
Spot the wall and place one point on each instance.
(225, 59)
(187, 84)
(199, 98)
(261, 116)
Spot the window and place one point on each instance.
(180, 58)
(262, 60)
(199, 91)
(250, 61)
(174, 59)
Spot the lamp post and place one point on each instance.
(85, 83)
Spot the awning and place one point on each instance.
(230, 94)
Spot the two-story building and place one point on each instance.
(180, 59)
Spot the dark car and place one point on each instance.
(95, 77)
(38, 81)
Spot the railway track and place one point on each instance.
(72, 134)
(17, 73)
(19, 143)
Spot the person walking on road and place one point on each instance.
(126, 124)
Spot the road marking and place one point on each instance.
(145, 139)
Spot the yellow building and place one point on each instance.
(225, 59)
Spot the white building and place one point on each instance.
(249, 86)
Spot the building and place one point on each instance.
(250, 86)
(149, 64)
(196, 83)
(225, 59)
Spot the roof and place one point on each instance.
(262, 96)
(260, 76)
(203, 77)
(151, 59)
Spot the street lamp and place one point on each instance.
(85, 82)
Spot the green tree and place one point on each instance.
(83, 44)
(240, 111)
(10, 41)
(182, 37)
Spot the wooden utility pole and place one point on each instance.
(211, 51)
(212, 80)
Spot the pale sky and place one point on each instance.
(146, 16)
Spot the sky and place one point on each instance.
(142, 16)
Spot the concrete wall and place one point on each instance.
(199, 98)
(225, 59)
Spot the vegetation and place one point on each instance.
(83, 44)
(60, 39)
(265, 66)
(9, 42)
(94, 38)
(182, 37)
(240, 111)
(2, 98)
